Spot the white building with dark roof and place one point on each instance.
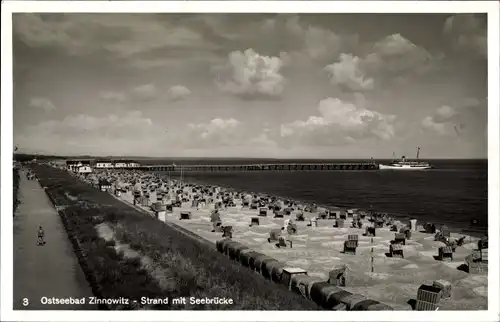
(104, 164)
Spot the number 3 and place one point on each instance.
(25, 302)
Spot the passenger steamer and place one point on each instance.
(404, 164)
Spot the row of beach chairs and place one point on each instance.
(325, 294)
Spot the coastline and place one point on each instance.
(478, 233)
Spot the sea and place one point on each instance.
(453, 193)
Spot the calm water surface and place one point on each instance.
(453, 193)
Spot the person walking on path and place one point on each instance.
(41, 235)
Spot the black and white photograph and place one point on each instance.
(213, 159)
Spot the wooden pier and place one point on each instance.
(264, 167)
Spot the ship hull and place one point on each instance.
(402, 168)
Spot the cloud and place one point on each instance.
(127, 38)
(347, 72)
(82, 133)
(429, 123)
(114, 96)
(396, 54)
(447, 120)
(178, 92)
(339, 122)
(251, 75)
(217, 132)
(393, 59)
(305, 41)
(467, 33)
(42, 103)
(146, 91)
(442, 121)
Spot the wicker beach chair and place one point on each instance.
(484, 255)
(291, 228)
(482, 243)
(313, 222)
(370, 231)
(289, 273)
(274, 234)
(445, 288)
(339, 223)
(263, 212)
(445, 231)
(354, 238)
(323, 215)
(227, 232)
(350, 246)
(396, 250)
(278, 214)
(215, 216)
(186, 215)
(427, 298)
(445, 253)
(282, 242)
(399, 238)
(254, 221)
(430, 228)
(217, 227)
(474, 265)
(337, 276)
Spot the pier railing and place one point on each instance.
(264, 167)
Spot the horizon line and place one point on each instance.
(246, 158)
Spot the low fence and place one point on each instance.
(326, 295)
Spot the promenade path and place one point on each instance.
(51, 270)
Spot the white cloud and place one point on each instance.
(251, 75)
(119, 97)
(339, 122)
(429, 123)
(42, 103)
(178, 92)
(391, 59)
(396, 54)
(217, 132)
(110, 134)
(348, 72)
(467, 33)
(146, 91)
(447, 120)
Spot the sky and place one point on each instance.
(251, 85)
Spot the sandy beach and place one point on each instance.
(394, 281)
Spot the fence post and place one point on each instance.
(372, 254)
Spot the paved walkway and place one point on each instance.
(44, 271)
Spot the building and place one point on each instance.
(104, 164)
(84, 169)
(126, 164)
(75, 165)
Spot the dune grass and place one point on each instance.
(180, 267)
